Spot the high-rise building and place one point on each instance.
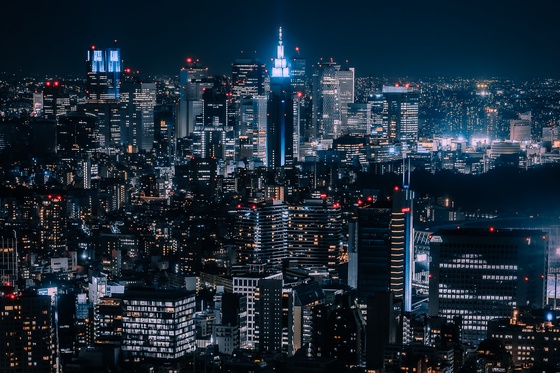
(261, 233)
(8, 260)
(193, 79)
(104, 67)
(401, 113)
(137, 103)
(248, 78)
(52, 223)
(158, 324)
(315, 233)
(480, 274)
(280, 111)
(345, 93)
(269, 313)
(28, 334)
(55, 100)
(213, 137)
(369, 251)
(402, 246)
(326, 119)
(247, 285)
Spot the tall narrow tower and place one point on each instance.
(280, 124)
(402, 242)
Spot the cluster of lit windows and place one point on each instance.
(470, 265)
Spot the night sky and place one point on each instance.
(380, 38)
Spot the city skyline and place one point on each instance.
(411, 39)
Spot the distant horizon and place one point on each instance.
(414, 39)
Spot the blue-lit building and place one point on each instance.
(280, 125)
(104, 68)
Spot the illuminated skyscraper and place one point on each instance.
(137, 103)
(193, 79)
(158, 324)
(28, 334)
(401, 113)
(104, 67)
(261, 234)
(346, 94)
(481, 274)
(402, 246)
(326, 101)
(280, 126)
(315, 233)
(247, 78)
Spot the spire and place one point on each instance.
(280, 68)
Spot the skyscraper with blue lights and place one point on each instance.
(280, 124)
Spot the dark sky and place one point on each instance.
(391, 38)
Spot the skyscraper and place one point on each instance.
(104, 67)
(280, 124)
(480, 274)
(326, 100)
(193, 79)
(248, 76)
(28, 334)
(315, 233)
(137, 102)
(401, 113)
(261, 234)
(402, 246)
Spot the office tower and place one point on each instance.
(247, 285)
(358, 119)
(401, 113)
(213, 137)
(369, 252)
(298, 72)
(76, 134)
(259, 128)
(158, 324)
(326, 117)
(262, 233)
(378, 123)
(52, 224)
(315, 233)
(193, 79)
(280, 124)
(28, 334)
(108, 321)
(269, 314)
(164, 134)
(104, 67)
(8, 260)
(402, 244)
(137, 103)
(345, 78)
(477, 275)
(248, 77)
(55, 100)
